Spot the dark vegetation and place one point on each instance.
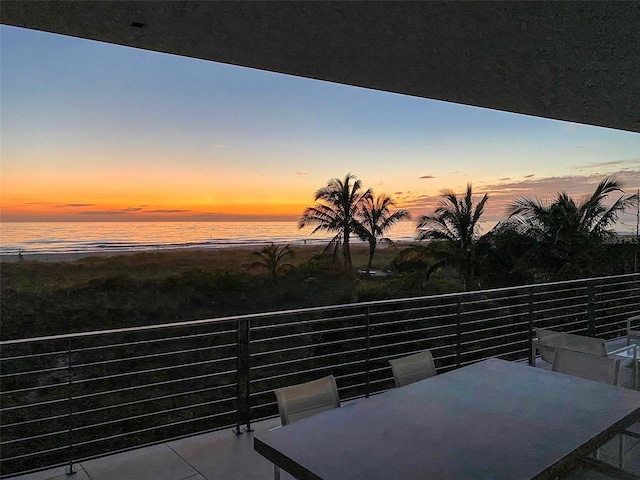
(47, 298)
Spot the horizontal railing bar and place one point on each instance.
(142, 372)
(63, 383)
(272, 326)
(33, 437)
(567, 307)
(478, 350)
(267, 315)
(306, 334)
(487, 339)
(154, 341)
(142, 430)
(298, 372)
(471, 313)
(498, 327)
(612, 307)
(32, 355)
(302, 347)
(492, 299)
(152, 399)
(147, 385)
(119, 360)
(305, 359)
(398, 344)
(33, 454)
(154, 355)
(501, 317)
(156, 413)
(35, 420)
(415, 330)
(413, 320)
(421, 309)
(33, 372)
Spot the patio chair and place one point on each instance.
(412, 368)
(549, 340)
(584, 365)
(591, 367)
(304, 400)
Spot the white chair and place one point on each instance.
(304, 400)
(413, 368)
(547, 341)
(592, 367)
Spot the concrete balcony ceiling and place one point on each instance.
(574, 61)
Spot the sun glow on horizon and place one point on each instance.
(89, 135)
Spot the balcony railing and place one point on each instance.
(73, 397)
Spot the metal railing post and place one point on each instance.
(242, 378)
(70, 451)
(532, 353)
(459, 333)
(368, 353)
(591, 310)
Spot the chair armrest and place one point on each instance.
(535, 346)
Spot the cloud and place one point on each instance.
(427, 176)
(503, 193)
(529, 176)
(167, 211)
(302, 173)
(123, 211)
(613, 163)
(219, 145)
(77, 205)
(504, 179)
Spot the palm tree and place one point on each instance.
(566, 228)
(375, 219)
(274, 259)
(337, 213)
(456, 223)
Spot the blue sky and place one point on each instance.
(97, 131)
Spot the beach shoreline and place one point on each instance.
(54, 257)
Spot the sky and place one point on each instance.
(97, 132)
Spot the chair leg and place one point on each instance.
(276, 472)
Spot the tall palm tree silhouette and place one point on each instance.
(375, 219)
(337, 212)
(455, 222)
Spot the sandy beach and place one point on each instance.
(301, 251)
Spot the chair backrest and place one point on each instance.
(549, 340)
(306, 399)
(412, 368)
(584, 365)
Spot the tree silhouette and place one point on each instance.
(566, 228)
(274, 259)
(456, 223)
(337, 212)
(375, 219)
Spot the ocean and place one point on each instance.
(89, 237)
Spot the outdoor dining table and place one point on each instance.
(489, 420)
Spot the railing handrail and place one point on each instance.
(236, 318)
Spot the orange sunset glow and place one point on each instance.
(88, 135)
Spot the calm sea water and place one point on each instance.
(86, 237)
